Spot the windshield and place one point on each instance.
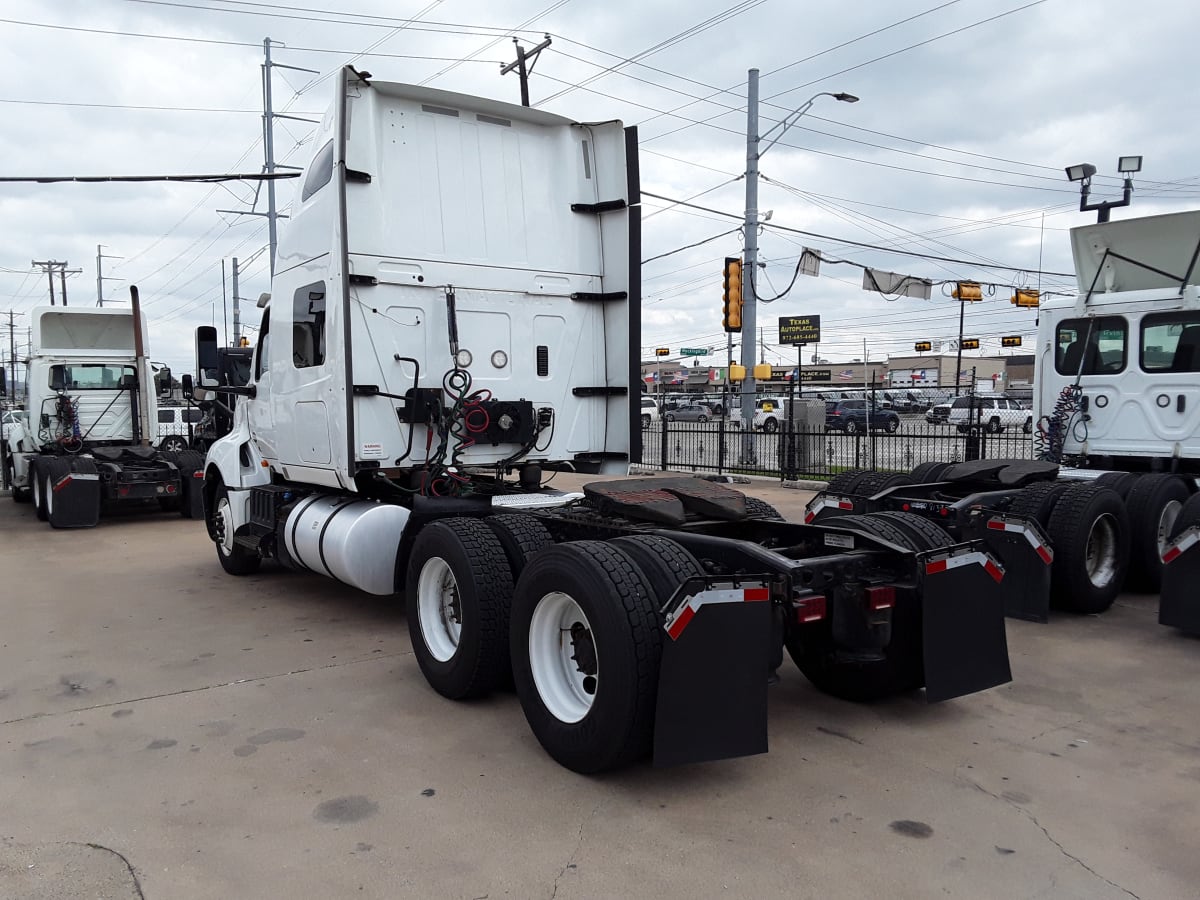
(88, 377)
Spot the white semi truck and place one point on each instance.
(1117, 407)
(454, 317)
(90, 401)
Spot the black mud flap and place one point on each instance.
(712, 687)
(192, 485)
(1179, 603)
(1026, 555)
(966, 648)
(76, 502)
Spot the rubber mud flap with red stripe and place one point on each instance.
(1179, 601)
(1024, 551)
(712, 684)
(962, 615)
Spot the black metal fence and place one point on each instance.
(791, 453)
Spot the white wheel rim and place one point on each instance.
(37, 489)
(1101, 553)
(49, 489)
(225, 526)
(439, 609)
(558, 632)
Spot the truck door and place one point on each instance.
(1169, 376)
(260, 409)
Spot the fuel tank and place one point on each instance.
(352, 541)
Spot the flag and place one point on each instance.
(846, 374)
(793, 375)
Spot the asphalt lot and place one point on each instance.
(167, 731)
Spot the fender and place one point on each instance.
(236, 462)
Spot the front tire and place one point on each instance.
(38, 488)
(457, 595)
(851, 427)
(586, 643)
(771, 426)
(645, 422)
(234, 559)
(19, 495)
(893, 425)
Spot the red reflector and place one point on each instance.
(905, 507)
(753, 595)
(171, 489)
(996, 525)
(123, 490)
(944, 511)
(882, 597)
(1171, 555)
(992, 569)
(197, 474)
(808, 517)
(810, 609)
(936, 566)
(1044, 554)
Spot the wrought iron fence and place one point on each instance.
(791, 453)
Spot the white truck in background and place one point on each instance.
(90, 415)
(1113, 495)
(454, 315)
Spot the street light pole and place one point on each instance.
(754, 152)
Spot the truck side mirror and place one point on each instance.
(163, 382)
(58, 378)
(128, 382)
(3, 381)
(186, 385)
(208, 367)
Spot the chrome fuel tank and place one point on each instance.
(352, 541)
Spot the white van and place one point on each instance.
(173, 426)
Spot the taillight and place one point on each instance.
(810, 609)
(881, 597)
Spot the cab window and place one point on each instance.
(319, 172)
(1091, 346)
(263, 354)
(308, 326)
(1171, 342)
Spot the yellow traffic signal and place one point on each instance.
(970, 343)
(1025, 297)
(967, 290)
(923, 346)
(1012, 340)
(732, 310)
(662, 351)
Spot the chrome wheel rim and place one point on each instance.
(1166, 522)
(1101, 554)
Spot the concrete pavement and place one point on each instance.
(167, 731)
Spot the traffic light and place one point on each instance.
(970, 343)
(662, 351)
(732, 311)
(967, 290)
(1012, 340)
(923, 346)
(1025, 297)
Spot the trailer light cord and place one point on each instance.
(1052, 430)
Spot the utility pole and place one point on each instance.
(50, 266)
(237, 309)
(62, 277)
(524, 65)
(12, 354)
(754, 151)
(100, 279)
(224, 308)
(272, 214)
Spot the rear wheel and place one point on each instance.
(1028, 426)
(851, 427)
(522, 537)
(860, 677)
(37, 481)
(174, 444)
(665, 563)
(1154, 502)
(1037, 501)
(874, 482)
(586, 643)
(457, 595)
(761, 509)
(234, 559)
(770, 426)
(893, 425)
(846, 482)
(928, 472)
(1089, 529)
(994, 426)
(645, 421)
(19, 494)
(1121, 482)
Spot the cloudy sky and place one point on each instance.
(969, 111)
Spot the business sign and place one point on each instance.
(797, 330)
(806, 375)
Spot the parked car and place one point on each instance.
(688, 412)
(173, 426)
(938, 413)
(649, 412)
(993, 413)
(858, 415)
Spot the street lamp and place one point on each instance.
(754, 152)
(1083, 173)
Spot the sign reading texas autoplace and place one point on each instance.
(799, 329)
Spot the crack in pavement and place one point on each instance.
(1061, 849)
(137, 884)
(570, 863)
(207, 687)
